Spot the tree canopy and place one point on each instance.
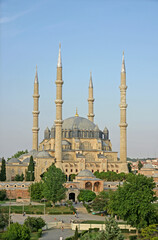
(36, 190)
(133, 201)
(4, 220)
(111, 176)
(34, 223)
(112, 232)
(86, 196)
(53, 180)
(18, 154)
(17, 231)
(100, 203)
(150, 232)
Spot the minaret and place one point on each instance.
(35, 113)
(123, 125)
(90, 100)
(58, 121)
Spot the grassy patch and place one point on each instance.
(37, 209)
(34, 236)
(94, 222)
(99, 222)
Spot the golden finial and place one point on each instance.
(76, 115)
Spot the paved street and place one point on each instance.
(55, 218)
(55, 234)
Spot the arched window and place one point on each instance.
(88, 186)
(96, 186)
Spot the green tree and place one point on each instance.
(17, 231)
(112, 230)
(18, 154)
(129, 165)
(72, 176)
(3, 170)
(4, 220)
(133, 201)
(86, 196)
(36, 190)
(140, 165)
(2, 195)
(19, 177)
(34, 223)
(149, 232)
(53, 188)
(76, 234)
(93, 236)
(30, 172)
(101, 201)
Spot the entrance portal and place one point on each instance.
(72, 196)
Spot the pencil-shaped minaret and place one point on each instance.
(123, 125)
(58, 121)
(90, 100)
(35, 112)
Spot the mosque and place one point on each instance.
(76, 143)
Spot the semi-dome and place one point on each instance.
(78, 122)
(43, 154)
(86, 173)
(14, 160)
(26, 160)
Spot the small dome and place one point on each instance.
(26, 160)
(43, 154)
(85, 173)
(14, 160)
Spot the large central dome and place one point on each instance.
(79, 123)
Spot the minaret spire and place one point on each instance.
(59, 64)
(90, 100)
(123, 69)
(36, 76)
(35, 112)
(123, 125)
(58, 121)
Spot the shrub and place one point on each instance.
(48, 204)
(2, 195)
(133, 237)
(39, 232)
(34, 223)
(17, 232)
(86, 195)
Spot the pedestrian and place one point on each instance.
(62, 228)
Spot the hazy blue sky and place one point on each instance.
(93, 34)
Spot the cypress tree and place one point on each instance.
(30, 172)
(3, 170)
(76, 234)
